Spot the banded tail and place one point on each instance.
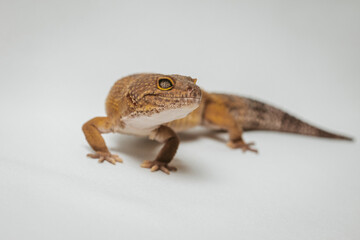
(261, 116)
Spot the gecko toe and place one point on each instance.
(93, 155)
(117, 158)
(242, 145)
(146, 164)
(172, 169)
(101, 159)
(105, 156)
(154, 168)
(165, 170)
(157, 165)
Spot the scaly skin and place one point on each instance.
(159, 106)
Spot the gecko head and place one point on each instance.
(173, 94)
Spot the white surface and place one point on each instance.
(58, 60)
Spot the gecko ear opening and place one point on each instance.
(165, 83)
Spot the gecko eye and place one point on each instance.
(165, 84)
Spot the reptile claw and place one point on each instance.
(103, 156)
(155, 168)
(156, 165)
(244, 146)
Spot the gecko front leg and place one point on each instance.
(164, 135)
(93, 130)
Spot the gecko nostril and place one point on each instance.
(189, 90)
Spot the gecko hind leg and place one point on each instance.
(236, 141)
(224, 114)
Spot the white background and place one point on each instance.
(58, 60)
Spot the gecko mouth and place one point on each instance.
(180, 98)
(177, 99)
(192, 96)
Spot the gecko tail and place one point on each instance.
(261, 116)
(292, 124)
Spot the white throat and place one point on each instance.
(143, 125)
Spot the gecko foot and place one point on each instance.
(106, 156)
(156, 165)
(244, 146)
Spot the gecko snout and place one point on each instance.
(193, 92)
